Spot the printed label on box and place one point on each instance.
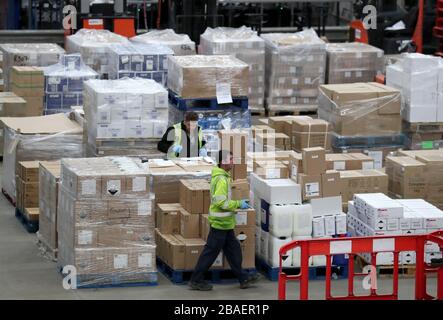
(272, 173)
(312, 189)
(241, 218)
(378, 158)
(84, 237)
(144, 208)
(368, 165)
(139, 184)
(89, 187)
(120, 261)
(339, 165)
(223, 91)
(145, 260)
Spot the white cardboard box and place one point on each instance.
(340, 223)
(329, 225)
(318, 227)
(326, 206)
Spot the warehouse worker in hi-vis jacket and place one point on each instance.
(221, 234)
(183, 139)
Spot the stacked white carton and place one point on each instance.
(375, 214)
(24, 54)
(181, 44)
(124, 110)
(246, 45)
(139, 60)
(417, 76)
(284, 218)
(93, 46)
(295, 67)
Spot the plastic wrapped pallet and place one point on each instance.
(106, 221)
(125, 115)
(181, 44)
(38, 138)
(22, 54)
(295, 67)
(12, 106)
(64, 83)
(361, 109)
(147, 61)
(246, 45)
(49, 178)
(93, 46)
(353, 62)
(416, 76)
(207, 76)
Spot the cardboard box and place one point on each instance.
(295, 166)
(204, 226)
(276, 191)
(193, 250)
(13, 105)
(330, 183)
(311, 186)
(308, 133)
(168, 218)
(271, 169)
(194, 195)
(273, 141)
(407, 177)
(261, 128)
(27, 81)
(245, 217)
(189, 225)
(28, 171)
(32, 214)
(248, 257)
(362, 181)
(239, 172)
(240, 189)
(313, 160)
(174, 252)
(236, 141)
(318, 227)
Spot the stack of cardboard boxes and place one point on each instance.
(28, 188)
(13, 106)
(29, 83)
(105, 221)
(236, 141)
(49, 179)
(181, 44)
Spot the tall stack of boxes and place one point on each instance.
(138, 60)
(374, 214)
(351, 62)
(295, 68)
(29, 83)
(181, 44)
(93, 46)
(236, 141)
(106, 221)
(125, 116)
(49, 180)
(13, 106)
(246, 45)
(27, 178)
(23, 54)
(64, 83)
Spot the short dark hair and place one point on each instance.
(191, 116)
(222, 155)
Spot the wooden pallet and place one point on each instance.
(257, 112)
(31, 225)
(294, 110)
(405, 271)
(46, 249)
(120, 142)
(199, 104)
(423, 127)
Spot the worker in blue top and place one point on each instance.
(184, 139)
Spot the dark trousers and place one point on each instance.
(220, 240)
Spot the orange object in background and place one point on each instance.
(125, 27)
(93, 24)
(360, 33)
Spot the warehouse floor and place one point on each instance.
(26, 274)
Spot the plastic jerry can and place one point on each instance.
(264, 215)
(274, 248)
(296, 253)
(302, 221)
(264, 239)
(280, 220)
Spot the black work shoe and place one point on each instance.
(436, 262)
(201, 286)
(253, 278)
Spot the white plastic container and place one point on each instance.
(257, 241)
(274, 247)
(280, 219)
(296, 253)
(302, 221)
(264, 248)
(257, 208)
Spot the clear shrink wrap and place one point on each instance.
(246, 45)
(201, 76)
(361, 109)
(27, 54)
(64, 83)
(181, 44)
(125, 116)
(93, 46)
(106, 221)
(295, 67)
(49, 137)
(353, 62)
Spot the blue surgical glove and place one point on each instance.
(177, 148)
(203, 152)
(244, 204)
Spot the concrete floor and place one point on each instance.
(26, 274)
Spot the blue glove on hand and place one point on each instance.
(244, 204)
(177, 148)
(203, 152)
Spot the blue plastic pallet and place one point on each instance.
(367, 142)
(315, 273)
(200, 104)
(30, 226)
(183, 276)
(97, 281)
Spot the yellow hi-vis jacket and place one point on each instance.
(178, 139)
